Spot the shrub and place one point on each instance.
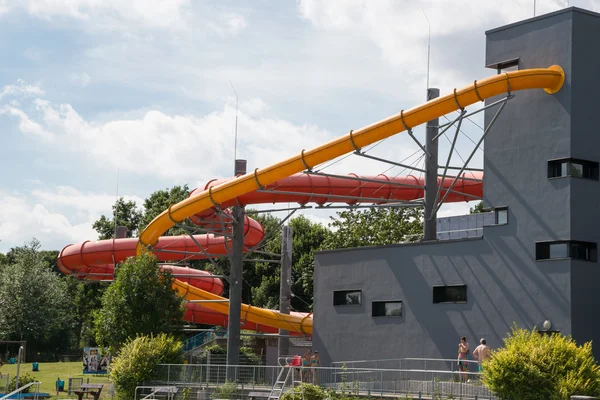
(23, 380)
(532, 366)
(138, 361)
(305, 391)
(226, 391)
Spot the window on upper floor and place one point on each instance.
(347, 297)
(501, 214)
(387, 308)
(574, 168)
(450, 294)
(562, 249)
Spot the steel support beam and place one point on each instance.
(285, 286)
(235, 292)
(431, 173)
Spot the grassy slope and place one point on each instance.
(49, 372)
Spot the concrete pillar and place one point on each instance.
(431, 174)
(235, 291)
(285, 285)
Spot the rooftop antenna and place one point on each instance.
(236, 127)
(116, 206)
(428, 46)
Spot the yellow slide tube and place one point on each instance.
(550, 79)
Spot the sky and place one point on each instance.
(139, 94)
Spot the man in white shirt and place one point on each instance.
(481, 353)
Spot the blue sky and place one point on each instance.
(92, 87)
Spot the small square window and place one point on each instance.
(387, 308)
(450, 294)
(501, 216)
(347, 297)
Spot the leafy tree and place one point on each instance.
(3, 259)
(307, 238)
(34, 302)
(478, 208)
(534, 366)
(375, 226)
(140, 301)
(139, 360)
(127, 215)
(159, 201)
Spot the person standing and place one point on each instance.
(316, 363)
(463, 365)
(481, 353)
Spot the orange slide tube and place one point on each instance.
(95, 260)
(550, 79)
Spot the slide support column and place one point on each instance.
(431, 174)
(285, 286)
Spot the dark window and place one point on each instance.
(450, 294)
(566, 249)
(387, 308)
(347, 297)
(505, 66)
(501, 216)
(574, 168)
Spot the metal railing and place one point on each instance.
(169, 391)
(20, 390)
(447, 364)
(359, 381)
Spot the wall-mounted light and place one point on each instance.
(547, 325)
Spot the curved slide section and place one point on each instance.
(96, 260)
(550, 79)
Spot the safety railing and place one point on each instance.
(358, 381)
(151, 392)
(19, 393)
(447, 364)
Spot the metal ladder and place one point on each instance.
(279, 385)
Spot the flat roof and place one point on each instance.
(543, 16)
(387, 246)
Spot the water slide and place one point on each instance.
(90, 258)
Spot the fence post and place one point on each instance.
(169, 373)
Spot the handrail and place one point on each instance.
(335, 363)
(19, 390)
(156, 389)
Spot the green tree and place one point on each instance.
(534, 366)
(127, 215)
(3, 259)
(34, 302)
(478, 208)
(140, 301)
(160, 201)
(139, 361)
(374, 226)
(307, 238)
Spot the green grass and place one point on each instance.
(48, 373)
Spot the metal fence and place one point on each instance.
(443, 364)
(358, 381)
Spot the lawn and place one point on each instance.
(49, 372)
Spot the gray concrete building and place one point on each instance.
(534, 262)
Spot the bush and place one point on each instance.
(23, 380)
(305, 391)
(532, 366)
(226, 391)
(138, 361)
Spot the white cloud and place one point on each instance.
(56, 216)
(26, 125)
(162, 14)
(21, 89)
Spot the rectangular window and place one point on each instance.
(450, 294)
(347, 297)
(387, 308)
(576, 250)
(573, 168)
(501, 215)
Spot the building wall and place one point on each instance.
(506, 284)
